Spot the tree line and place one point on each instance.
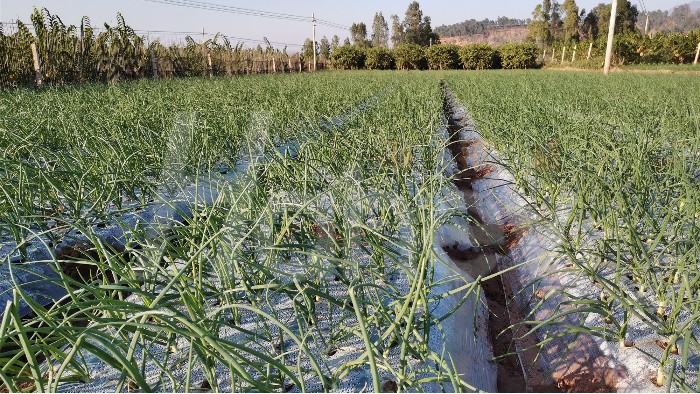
(414, 29)
(556, 26)
(554, 22)
(472, 26)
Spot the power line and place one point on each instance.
(644, 8)
(181, 33)
(247, 11)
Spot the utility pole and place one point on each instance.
(646, 25)
(611, 37)
(313, 22)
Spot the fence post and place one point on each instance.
(544, 56)
(554, 53)
(38, 75)
(211, 70)
(154, 65)
(563, 53)
(573, 57)
(590, 48)
(697, 55)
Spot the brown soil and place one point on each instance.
(81, 270)
(495, 36)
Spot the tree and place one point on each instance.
(411, 23)
(555, 22)
(380, 31)
(409, 57)
(626, 17)
(539, 30)
(589, 26)
(477, 57)
(429, 37)
(348, 57)
(379, 58)
(396, 31)
(308, 49)
(325, 48)
(515, 55)
(442, 57)
(358, 31)
(416, 29)
(571, 20)
(346, 43)
(335, 43)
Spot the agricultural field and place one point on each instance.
(329, 231)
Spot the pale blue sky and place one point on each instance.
(144, 15)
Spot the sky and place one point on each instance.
(145, 15)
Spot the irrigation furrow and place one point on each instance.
(512, 245)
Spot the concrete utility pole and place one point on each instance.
(646, 25)
(313, 21)
(611, 37)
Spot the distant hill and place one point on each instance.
(682, 18)
(494, 32)
(494, 36)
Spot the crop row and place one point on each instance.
(310, 271)
(613, 168)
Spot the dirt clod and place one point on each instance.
(389, 386)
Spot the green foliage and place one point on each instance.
(379, 58)
(442, 56)
(348, 57)
(70, 54)
(358, 32)
(473, 26)
(571, 21)
(258, 289)
(15, 61)
(416, 28)
(671, 48)
(620, 156)
(380, 31)
(539, 28)
(519, 56)
(478, 57)
(409, 57)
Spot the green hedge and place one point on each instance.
(409, 57)
(350, 57)
(519, 56)
(379, 59)
(478, 57)
(442, 57)
(671, 48)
